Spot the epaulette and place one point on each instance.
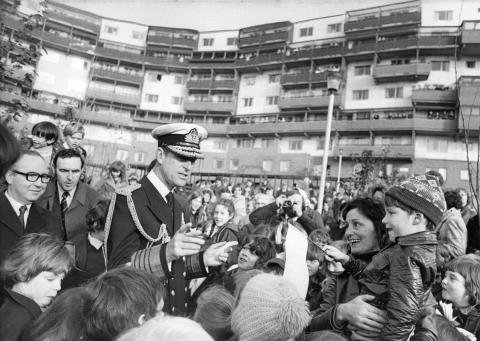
(128, 189)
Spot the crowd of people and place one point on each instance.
(123, 258)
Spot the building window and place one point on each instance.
(443, 15)
(218, 164)
(151, 98)
(394, 92)
(464, 175)
(272, 100)
(207, 41)
(360, 95)
(234, 163)
(247, 101)
(121, 155)
(267, 143)
(362, 70)
(267, 165)
(245, 143)
(220, 144)
(332, 28)
(274, 78)
(285, 165)
(470, 64)
(440, 65)
(306, 31)
(154, 77)
(179, 80)
(140, 157)
(177, 100)
(232, 41)
(137, 35)
(111, 30)
(250, 80)
(295, 145)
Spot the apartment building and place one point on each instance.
(411, 75)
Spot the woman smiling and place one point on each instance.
(342, 305)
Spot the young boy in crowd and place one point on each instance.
(316, 267)
(400, 276)
(44, 138)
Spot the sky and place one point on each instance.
(212, 15)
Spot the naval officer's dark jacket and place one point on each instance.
(127, 244)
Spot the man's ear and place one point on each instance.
(160, 155)
(9, 177)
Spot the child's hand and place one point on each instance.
(334, 254)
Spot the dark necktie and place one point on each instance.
(63, 207)
(21, 215)
(169, 198)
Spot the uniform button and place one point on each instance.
(173, 309)
(186, 305)
(186, 289)
(184, 274)
(172, 292)
(183, 258)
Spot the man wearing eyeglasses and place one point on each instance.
(19, 214)
(66, 196)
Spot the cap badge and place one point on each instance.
(192, 136)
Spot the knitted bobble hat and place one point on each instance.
(269, 309)
(422, 194)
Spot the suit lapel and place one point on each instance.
(79, 197)
(36, 219)
(9, 217)
(157, 206)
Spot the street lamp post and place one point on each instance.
(340, 156)
(333, 84)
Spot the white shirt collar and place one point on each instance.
(158, 184)
(97, 244)
(16, 205)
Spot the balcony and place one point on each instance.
(209, 106)
(397, 152)
(247, 41)
(110, 96)
(119, 54)
(469, 92)
(401, 73)
(303, 78)
(170, 61)
(328, 51)
(397, 44)
(281, 128)
(184, 42)
(75, 22)
(426, 97)
(229, 84)
(161, 40)
(118, 76)
(306, 102)
(438, 42)
(199, 84)
(470, 41)
(274, 37)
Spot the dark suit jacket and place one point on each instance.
(39, 221)
(83, 200)
(17, 314)
(125, 240)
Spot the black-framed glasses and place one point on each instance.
(33, 176)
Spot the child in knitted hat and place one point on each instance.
(400, 276)
(269, 309)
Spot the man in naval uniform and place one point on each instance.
(145, 225)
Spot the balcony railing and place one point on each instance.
(402, 72)
(119, 54)
(470, 41)
(71, 21)
(432, 97)
(164, 40)
(111, 96)
(301, 78)
(245, 41)
(469, 92)
(115, 75)
(199, 83)
(272, 37)
(184, 42)
(166, 61)
(406, 151)
(306, 101)
(209, 106)
(224, 84)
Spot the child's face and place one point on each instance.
(453, 289)
(238, 192)
(196, 203)
(398, 222)
(39, 141)
(335, 268)
(313, 266)
(247, 258)
(221, 215)
(43, 288)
